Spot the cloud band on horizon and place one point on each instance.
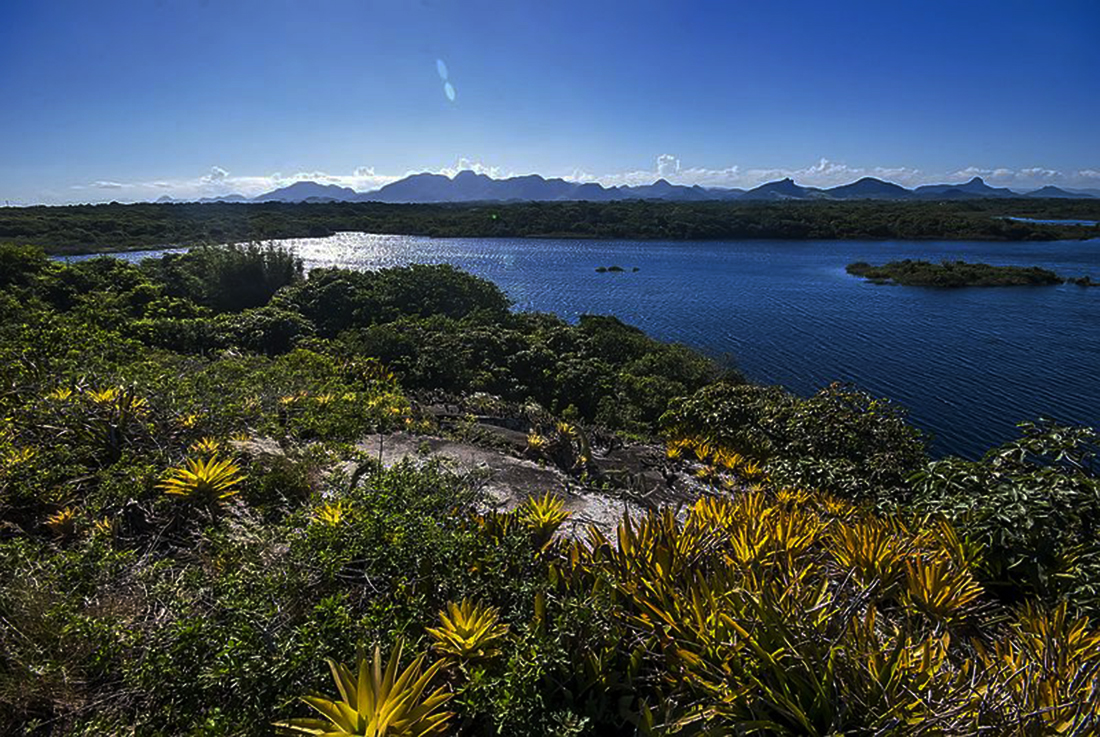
(824, 173)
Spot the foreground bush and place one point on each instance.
(840, 440)
(766, 612)
(1034, 506)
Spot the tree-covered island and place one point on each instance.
(913, 273)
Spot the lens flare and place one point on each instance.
(449, 91)
(441, 68)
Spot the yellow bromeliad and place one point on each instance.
(1047, 671)
(104, 396)
(543, 515)
(939, 589)
(106, 526)
(16, 456)
(206, 446)
(469, 631)
(60, 394)
(62, 523)
(536, 442)
(377, 702)
(751, 471)
(207, 480)
(871, 550)
(331, 514)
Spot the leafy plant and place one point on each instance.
(1031, 505)
(940, 589)
(1046, 673)
(377, 702)
(543, 516)
(206, 446)
(873, 551)
(331, 513)
(62, 523)
(206, 480)
(469, 631)
(841, 440)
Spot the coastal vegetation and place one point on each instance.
(195, 539)
(114, 227)
(912, 273)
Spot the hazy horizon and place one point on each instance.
(131, 101)
(453, 173)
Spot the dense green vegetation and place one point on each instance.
(188, 529)
(953, 274)
(91, 228)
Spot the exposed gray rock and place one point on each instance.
(507, 481)
(258, 447)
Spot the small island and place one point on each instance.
(953, 274)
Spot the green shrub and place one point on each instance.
(227, 278)
(1034, 505)
(840, 440)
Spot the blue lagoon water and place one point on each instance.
(1054, 222)
(967, 363)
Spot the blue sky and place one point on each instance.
(130, 100)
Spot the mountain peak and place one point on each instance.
(301, 190)
(472, 186)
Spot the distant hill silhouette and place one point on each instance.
(469, 186)
(784, 189)
(1052, 191)
(976, 187)
(165, 199)
(870, 188)
(301, 191)
(226, 198)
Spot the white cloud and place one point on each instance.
(219, 181)
(1004, 176)
(827, 173)
(667, 166)
(476, 167)
(217, 174)
(823, 173)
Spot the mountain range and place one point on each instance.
(468, 186)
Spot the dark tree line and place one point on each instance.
(92, 228)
